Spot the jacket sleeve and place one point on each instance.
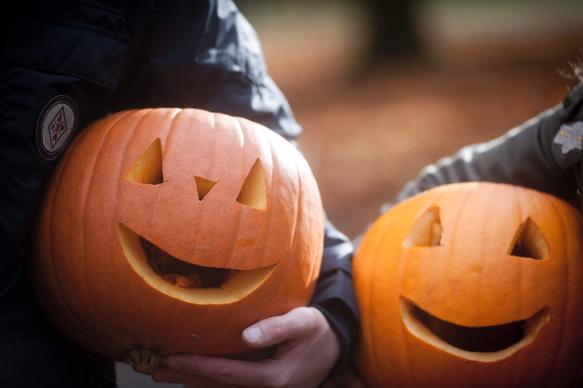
(523, 156)
(215, 62)
(334, 295)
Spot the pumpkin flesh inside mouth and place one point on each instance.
(480, 343)
(181, 273)
(189, 282)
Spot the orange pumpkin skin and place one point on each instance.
(88, 270)
(411, 288)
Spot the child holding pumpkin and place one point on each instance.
(65, 65)
(544, 154)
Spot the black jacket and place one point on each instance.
(66, 64)
(544, 153)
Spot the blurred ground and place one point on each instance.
(489, 67)
(367, 131)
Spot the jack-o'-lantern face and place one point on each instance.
(202, 275)
(472, 285)
(173, 230)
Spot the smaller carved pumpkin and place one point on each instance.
(172, 230)
(472, 285)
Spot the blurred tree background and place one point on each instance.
(382, 88)
(392, 31)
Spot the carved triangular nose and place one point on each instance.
(203, 186)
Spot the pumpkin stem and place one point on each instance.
(143, 360)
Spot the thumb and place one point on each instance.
(297, 323)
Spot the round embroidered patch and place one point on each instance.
(55, 126)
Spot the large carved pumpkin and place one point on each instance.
(472, 285)
(171, 230)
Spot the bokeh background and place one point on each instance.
(383, 88)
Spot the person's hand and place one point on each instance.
(307, 350)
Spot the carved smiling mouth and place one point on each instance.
(483, 343)
(189, 282)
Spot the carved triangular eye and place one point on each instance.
(147, 168)
(254, 193)
(427, 230)
(529, 242)
(203, 186)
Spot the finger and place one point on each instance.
(296, 323)
(174, 377)
(228, 371)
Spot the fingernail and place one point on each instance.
(252, 334)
